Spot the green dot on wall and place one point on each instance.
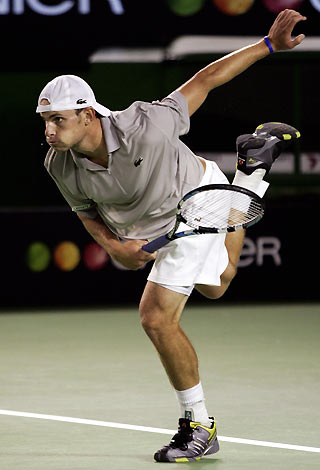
(185, 7)
(38, 256)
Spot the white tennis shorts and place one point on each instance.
(199, 259)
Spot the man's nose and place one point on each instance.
(50, 129)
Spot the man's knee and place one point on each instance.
(151, 318)
(155, 317)
(211, 292)
(229, 273)
(160, 309)
(215, 292)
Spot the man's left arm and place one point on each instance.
(225, 69)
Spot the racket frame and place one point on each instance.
(228, 187)
(174, 235)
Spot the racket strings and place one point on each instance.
(220, 209)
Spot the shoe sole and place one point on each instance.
(284, 132)
(161, 455)
(212, 449)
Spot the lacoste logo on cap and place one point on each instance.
(138, 162)
(80, 101)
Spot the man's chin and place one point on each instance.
(59, 146)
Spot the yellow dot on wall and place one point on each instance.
(66, 256)
(233, 7)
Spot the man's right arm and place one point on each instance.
(128, 253)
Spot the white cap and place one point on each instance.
(69, 92)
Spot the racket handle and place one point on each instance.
(156, 244)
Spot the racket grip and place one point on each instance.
(159, 242)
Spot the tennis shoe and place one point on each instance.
(192, 441)
(263, 147)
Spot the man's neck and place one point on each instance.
(93, 146)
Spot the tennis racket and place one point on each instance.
(214, 208)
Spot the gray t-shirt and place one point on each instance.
(149, 169)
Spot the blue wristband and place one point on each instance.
(268, 43)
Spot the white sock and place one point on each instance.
(192, 404)
(253, 182)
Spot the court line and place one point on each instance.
(133, 427)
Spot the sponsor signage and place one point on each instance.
(83, 7)
(117, 7)
(55, 30)
(57, 262)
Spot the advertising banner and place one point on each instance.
(48, 259)
(42, 34)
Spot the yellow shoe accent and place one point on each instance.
(194, 424)
(286, 136)
(213, 431)
(183, 459)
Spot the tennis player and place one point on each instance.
(124, 172)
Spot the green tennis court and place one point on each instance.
(259, 367)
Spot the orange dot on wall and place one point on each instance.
(66, 256)
(233, 7)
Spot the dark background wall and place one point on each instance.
(280, 253)
(43, 34)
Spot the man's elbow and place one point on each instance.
(81, 216)
(212, 77)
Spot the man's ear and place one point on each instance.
(89, 115)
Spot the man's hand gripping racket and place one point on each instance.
(215, 208)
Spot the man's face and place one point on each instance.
(64, 129)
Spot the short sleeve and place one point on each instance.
(58, 167)
(85, 206)
(170, 115)
(178, 103)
